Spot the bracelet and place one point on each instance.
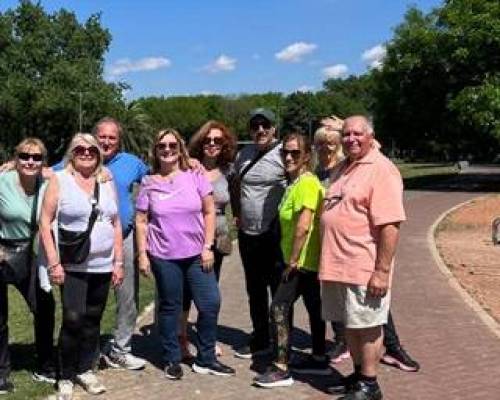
(53, 265)
(209, 247)
(118, 262)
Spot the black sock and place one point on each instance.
(357, 370)
(369, 380)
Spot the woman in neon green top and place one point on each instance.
(299, 222)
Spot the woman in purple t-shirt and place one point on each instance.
(175, 225)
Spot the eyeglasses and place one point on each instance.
(294, 153)
(36, 157)
(332, 201)
(82, 150)
(170, 145)
(217, 141)
(256, 124)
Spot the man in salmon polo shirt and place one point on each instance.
(362, 211)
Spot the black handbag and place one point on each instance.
(74, 246)
(17, 254)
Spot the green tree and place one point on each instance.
(48, 64)
(437, 92)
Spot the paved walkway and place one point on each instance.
(460, 357)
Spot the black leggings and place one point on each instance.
(44, 326)
(84, 298)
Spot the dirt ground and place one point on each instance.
(464, 241)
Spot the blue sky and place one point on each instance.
(177, 47)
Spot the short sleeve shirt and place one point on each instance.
(305, 192)
(261, 190)
(176, 228)
(363, 196)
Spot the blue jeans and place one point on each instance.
(171, 276)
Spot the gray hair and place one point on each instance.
(367, 121)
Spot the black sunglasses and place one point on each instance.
(218, 141)
(81, 150)
(163, 146)
(293, 153)
(256, 124)
(36, 157)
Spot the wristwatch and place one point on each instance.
(210, 247)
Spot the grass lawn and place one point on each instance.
(421, 175)
(21, 338)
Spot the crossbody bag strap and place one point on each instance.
(95, 208)
(34, 209)
(261, 154)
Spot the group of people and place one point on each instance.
(326, 233)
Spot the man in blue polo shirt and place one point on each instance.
(126, 170)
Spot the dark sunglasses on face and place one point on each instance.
(36, 157)
(255, 125)
(218, 141)
(294, 153)
(163, 146)
(82, 150)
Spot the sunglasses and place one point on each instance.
(294, 153)
(36, 157)
(82, 150)
(255, 125)
(218, 141)
(170, 145)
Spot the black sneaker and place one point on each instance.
(216, 368)
(274, 377)
(364, 391)
(6, 386)
(399, 358)
(339, 352)
(312, 366)
(173, 371)
(247, 352)
(345, 385)
(45, 375)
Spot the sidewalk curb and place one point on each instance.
(486, 318)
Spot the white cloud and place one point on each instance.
(335, 71)
(295, 52)
(206, 93)
(222, 63)
(126, 65)
(374, 56)
(305, 88)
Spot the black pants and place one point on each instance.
(301, 283)
(263, 266)
(44, 326)
(391, 339)
(84, 298)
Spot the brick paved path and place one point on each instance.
(459, 355)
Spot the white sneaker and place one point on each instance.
(64, 390)
(90, 383)
(124, 361)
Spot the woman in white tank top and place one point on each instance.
(84, 286)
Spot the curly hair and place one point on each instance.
(228, 150)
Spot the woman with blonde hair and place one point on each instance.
(19, 200)
(84, 260)
(328, 147)
(175, 224)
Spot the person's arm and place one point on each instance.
(118, 271)
(300, 235)
(48, 213)
(386, 248)
(208, 210)
(141, 238)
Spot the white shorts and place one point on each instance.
(351, 305)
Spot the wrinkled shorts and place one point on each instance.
(351, 305)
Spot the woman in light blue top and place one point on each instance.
(17, 199)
